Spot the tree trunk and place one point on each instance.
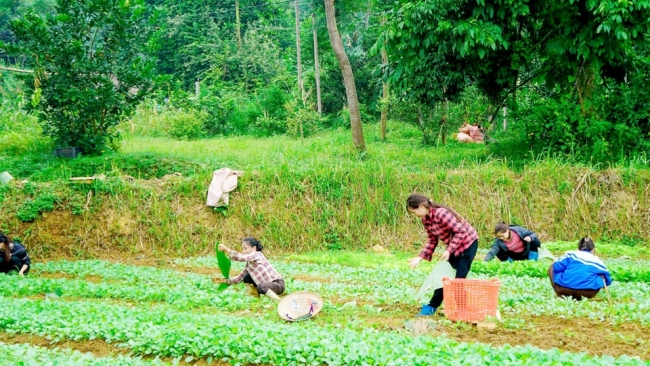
(425, 136)
(491, 117)
(384, 111)
(316, 65)
(443, 125)
(299, 63)
(368, 12)
(384, 104)
(348, 77)
(238, 24)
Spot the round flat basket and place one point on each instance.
(300, 306)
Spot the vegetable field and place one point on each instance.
(172, 312)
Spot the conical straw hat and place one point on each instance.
(300, 306)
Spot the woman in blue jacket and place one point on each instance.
(579, 273)
(513, 243)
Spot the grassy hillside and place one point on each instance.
(306, 195)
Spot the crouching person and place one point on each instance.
(13, 256)
(259, 275)
(579, 273)
(513, 243)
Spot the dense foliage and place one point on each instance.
(570, 74)
(89, 72)
(581, 64)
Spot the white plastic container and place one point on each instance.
(5, 178)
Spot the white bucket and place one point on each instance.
(5, 178)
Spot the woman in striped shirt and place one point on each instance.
(444, 224)
(259, 275)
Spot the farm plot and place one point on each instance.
(175, 312)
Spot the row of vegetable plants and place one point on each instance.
(622, 270)
(164, 332)
(520, 295)
(28, 355)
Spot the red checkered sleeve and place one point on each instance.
(459, 231)
(241, 257)
(442, 225)
(238, 279)
(257, 266)
(432, 239)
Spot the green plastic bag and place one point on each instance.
(544, 253)
(434, 280)
(224, 264)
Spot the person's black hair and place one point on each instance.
(253, 243)
(501, 227)
(586, 244)
(415, 199)
(6, 240)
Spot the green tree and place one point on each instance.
(439, 47)
(89, 69)
(498, 44)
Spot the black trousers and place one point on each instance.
(276, 286)
(462, 264)
(14, 265)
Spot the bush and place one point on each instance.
(20, 132)
(184, 125)
(310, 119)
(31, 208)
(611, 125)
(269, 126)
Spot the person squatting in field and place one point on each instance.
(13, 256)
(579, 273)
(513, 243)
(443, 224)
(259, 275)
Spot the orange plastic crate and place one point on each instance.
(470, 300)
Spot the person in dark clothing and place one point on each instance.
(13, 256)
(513, 243)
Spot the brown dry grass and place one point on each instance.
(170, 218)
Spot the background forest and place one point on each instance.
(560, 77)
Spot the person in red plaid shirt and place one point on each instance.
(259, 275)
(443, 224)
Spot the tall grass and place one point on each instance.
(316, 193)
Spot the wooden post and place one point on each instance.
(505, 117)
(198, 88)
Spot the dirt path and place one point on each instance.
(572, 335)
